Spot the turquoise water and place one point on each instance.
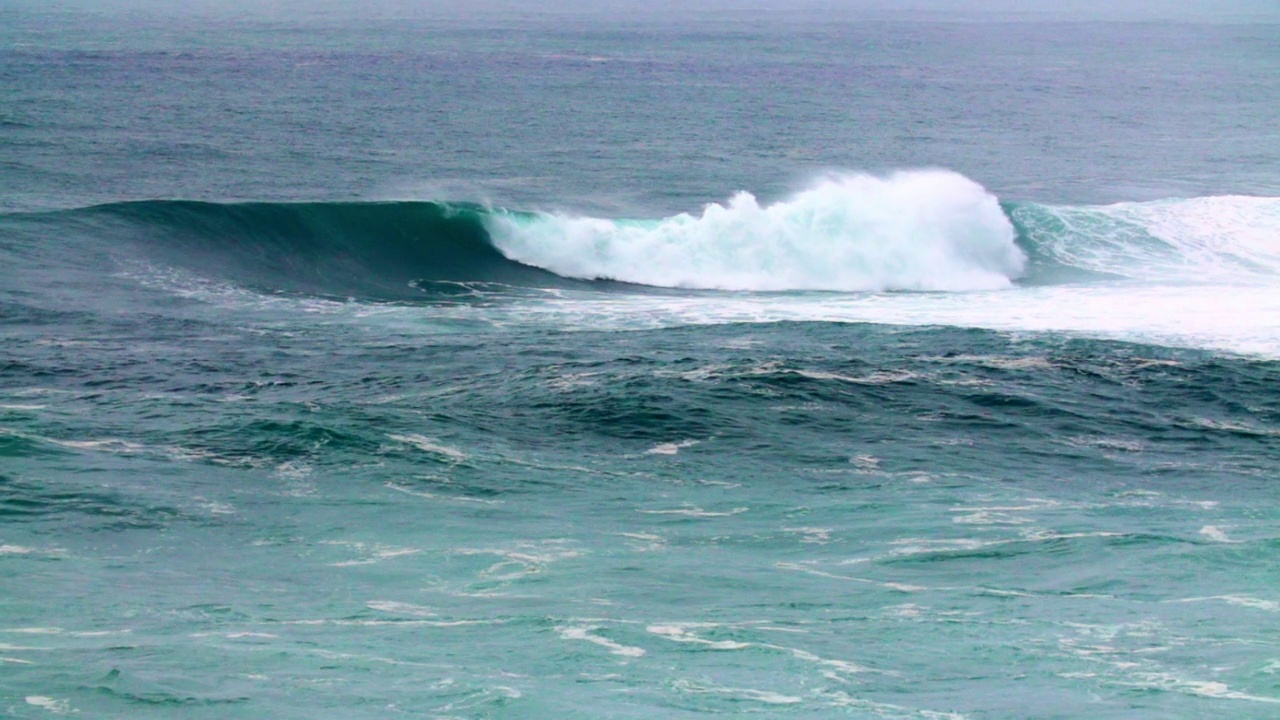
(589, 364)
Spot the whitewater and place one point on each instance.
(1192, 272)
(926, 230)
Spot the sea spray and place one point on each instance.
(912, 230)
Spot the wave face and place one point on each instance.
(919, 230)
(922, 230)
(383, 250)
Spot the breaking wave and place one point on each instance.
(928, 230)
(920, 230)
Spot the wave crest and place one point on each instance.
(912, 230)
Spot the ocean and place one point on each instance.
(519, 360)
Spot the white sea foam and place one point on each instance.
(373, 553)
(670, 448)
(472, 701)
(524, 560)
(400, 608)
(695, 512)
(214, 507)
(645, 542)
(1231, 317)
(838, 666)
(1237, 600)
(809, 569)
(845, 701)
(679, 632)
(293, 470)
(1201, 272)
(984, 517)
(767, 697)
(393, 623)
(430, 445)
(237, 635)
(8, 647)
(812, 535)
(912, 230)
(58, 707)
(104, 445)
(921, 546)
(1170, 682)
(437, 496)
(1215, 534)
(1228, 237)
(584, 633)
(866, 462)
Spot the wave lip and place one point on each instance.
(928, 230)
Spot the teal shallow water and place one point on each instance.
(549, 440)
(777, 518)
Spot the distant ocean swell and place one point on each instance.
(911, 231)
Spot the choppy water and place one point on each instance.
(543, 366)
